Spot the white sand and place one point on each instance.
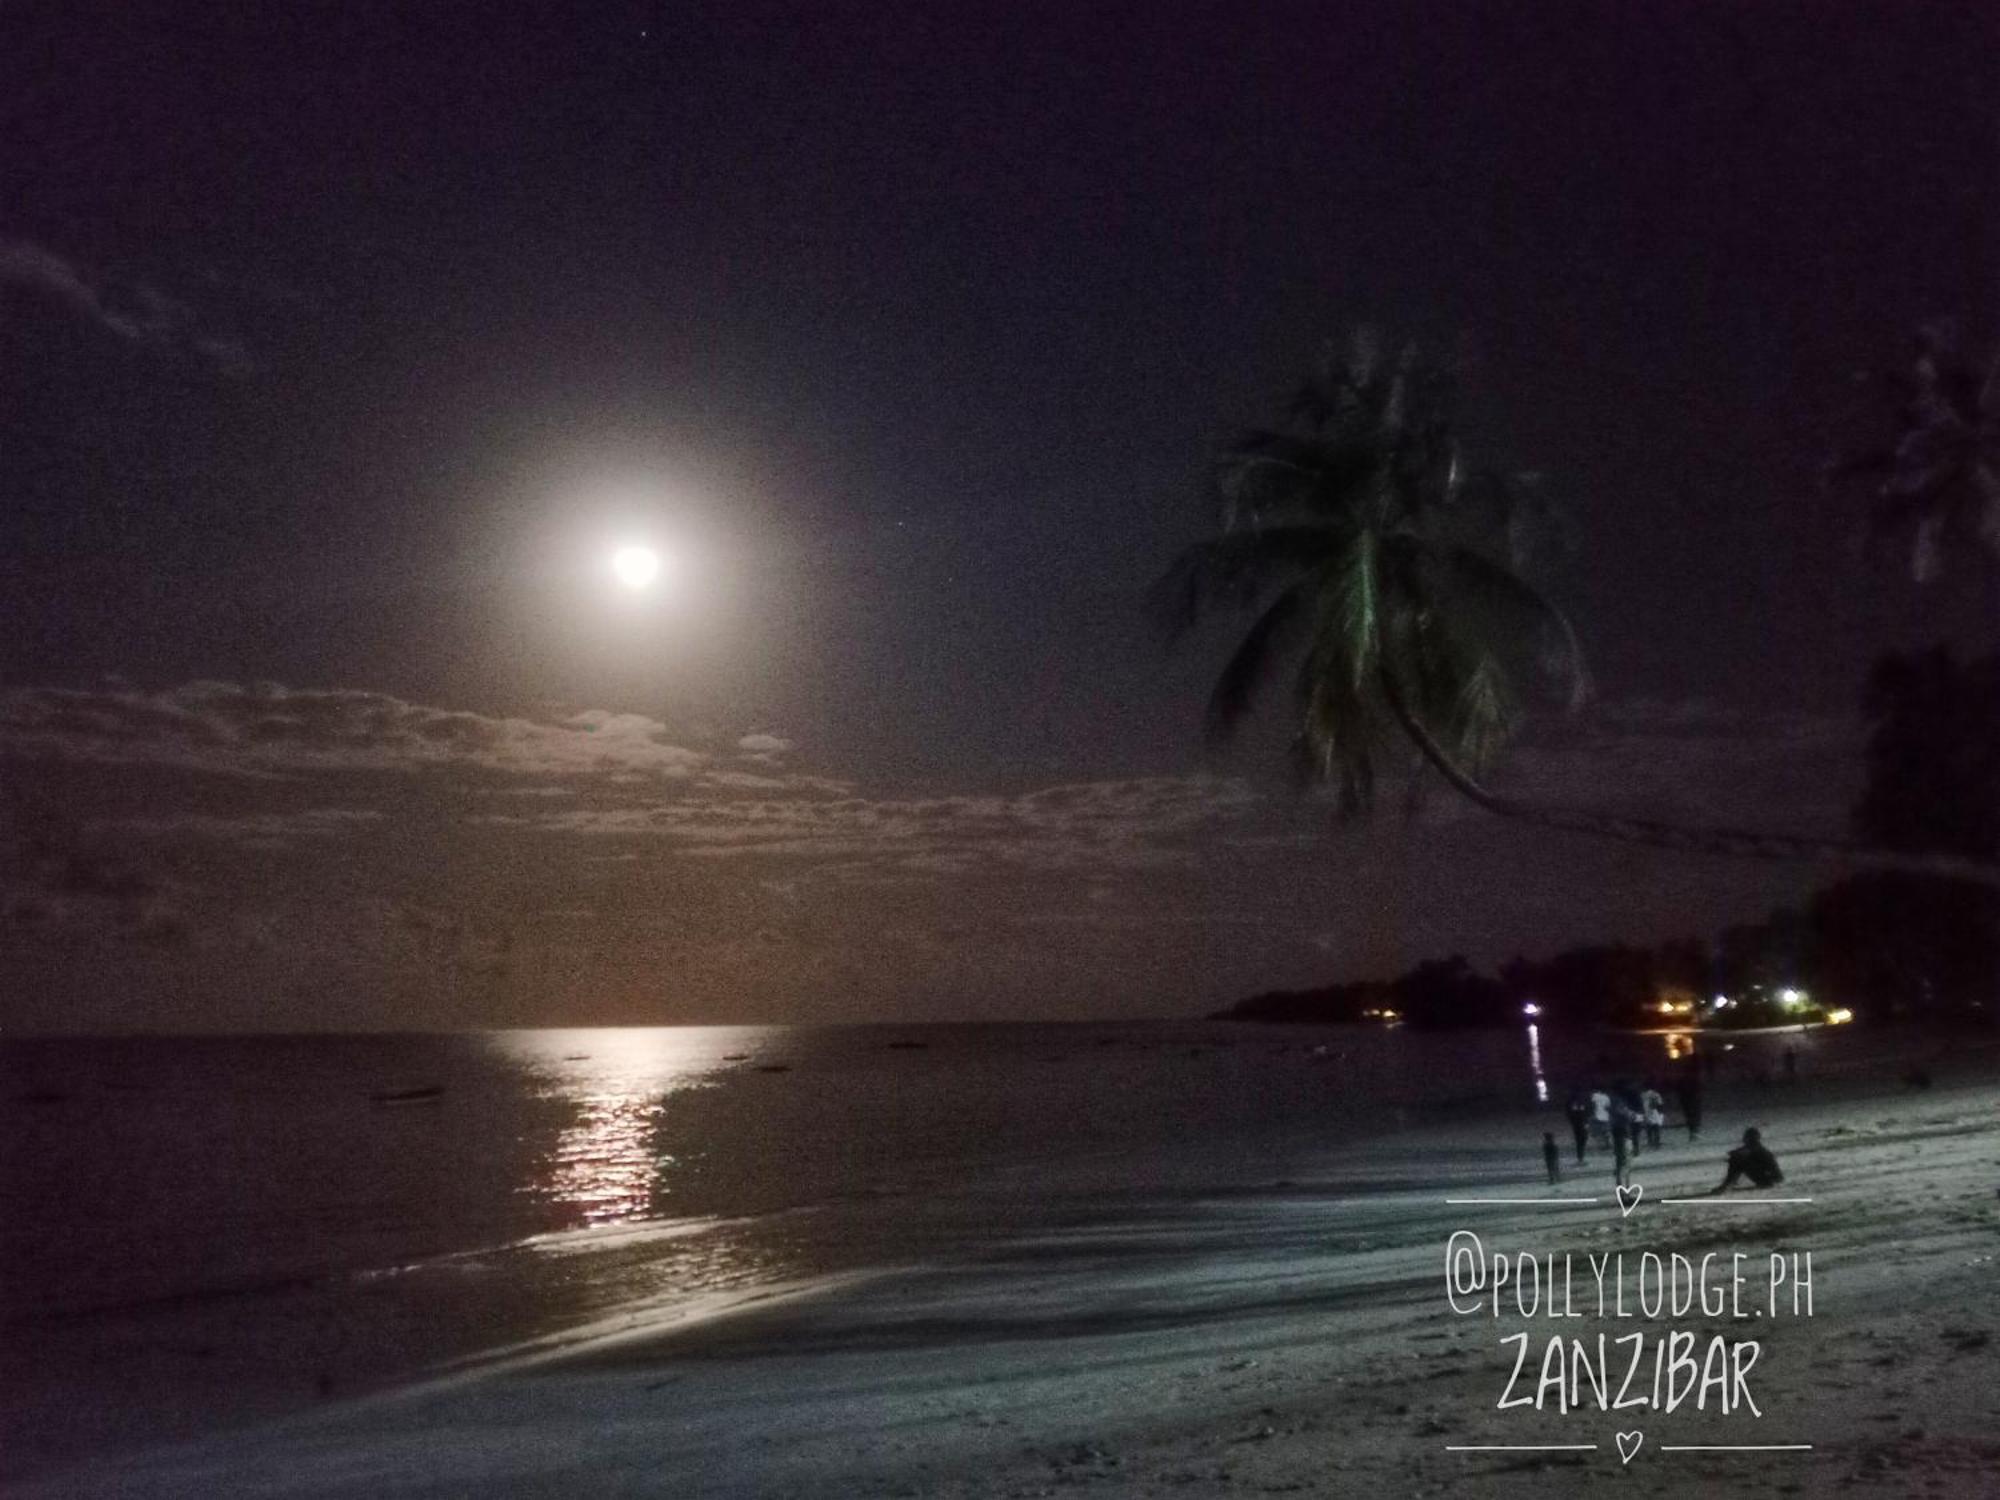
(1289, 1339)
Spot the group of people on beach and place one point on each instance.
(1625, 1116)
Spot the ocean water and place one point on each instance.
(199, 1231)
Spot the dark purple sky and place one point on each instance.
(335, 345)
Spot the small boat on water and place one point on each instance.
(734, 1056)
(424, 1095)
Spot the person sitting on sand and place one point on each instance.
(1752, 1159)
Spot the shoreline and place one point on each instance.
(1247, 1340)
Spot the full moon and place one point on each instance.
(636, 567)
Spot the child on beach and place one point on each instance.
(1551, 1157)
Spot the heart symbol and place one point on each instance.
(1628, 1444)
(1628, 1198)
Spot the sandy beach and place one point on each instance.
(1291, 1337)
(803, 751)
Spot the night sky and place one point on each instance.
(341, 344)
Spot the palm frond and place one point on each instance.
(1233, 571)
(1251, 664)
(1351, 625)
(1341, 730)
(1503, 602)
(1266, 478)
(1455, 686)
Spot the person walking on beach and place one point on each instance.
(1600, 1115)
(1626, 1110)
(1552, 1157)
(1578, 1110)
(1690, 1097)
(1621, 1150)
(1655, 1109)
(1752, 1159)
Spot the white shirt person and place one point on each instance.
(1656, 1114)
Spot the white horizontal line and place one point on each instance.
(1735, 1202)
(1520, 1447)
(1538, 1202)
(1735, 1447)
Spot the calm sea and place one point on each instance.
(207, 1230)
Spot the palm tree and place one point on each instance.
(1391, 573)
(1381, 562)
(1935, 483)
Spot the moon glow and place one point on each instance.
(637, 568)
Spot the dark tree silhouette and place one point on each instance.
(1933, 784)
(1380, 561)
(1389, 571)
(1933, 754)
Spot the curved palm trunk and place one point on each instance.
(1735, 842)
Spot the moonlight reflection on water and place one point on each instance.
(604, 1165)
(607, 1164)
